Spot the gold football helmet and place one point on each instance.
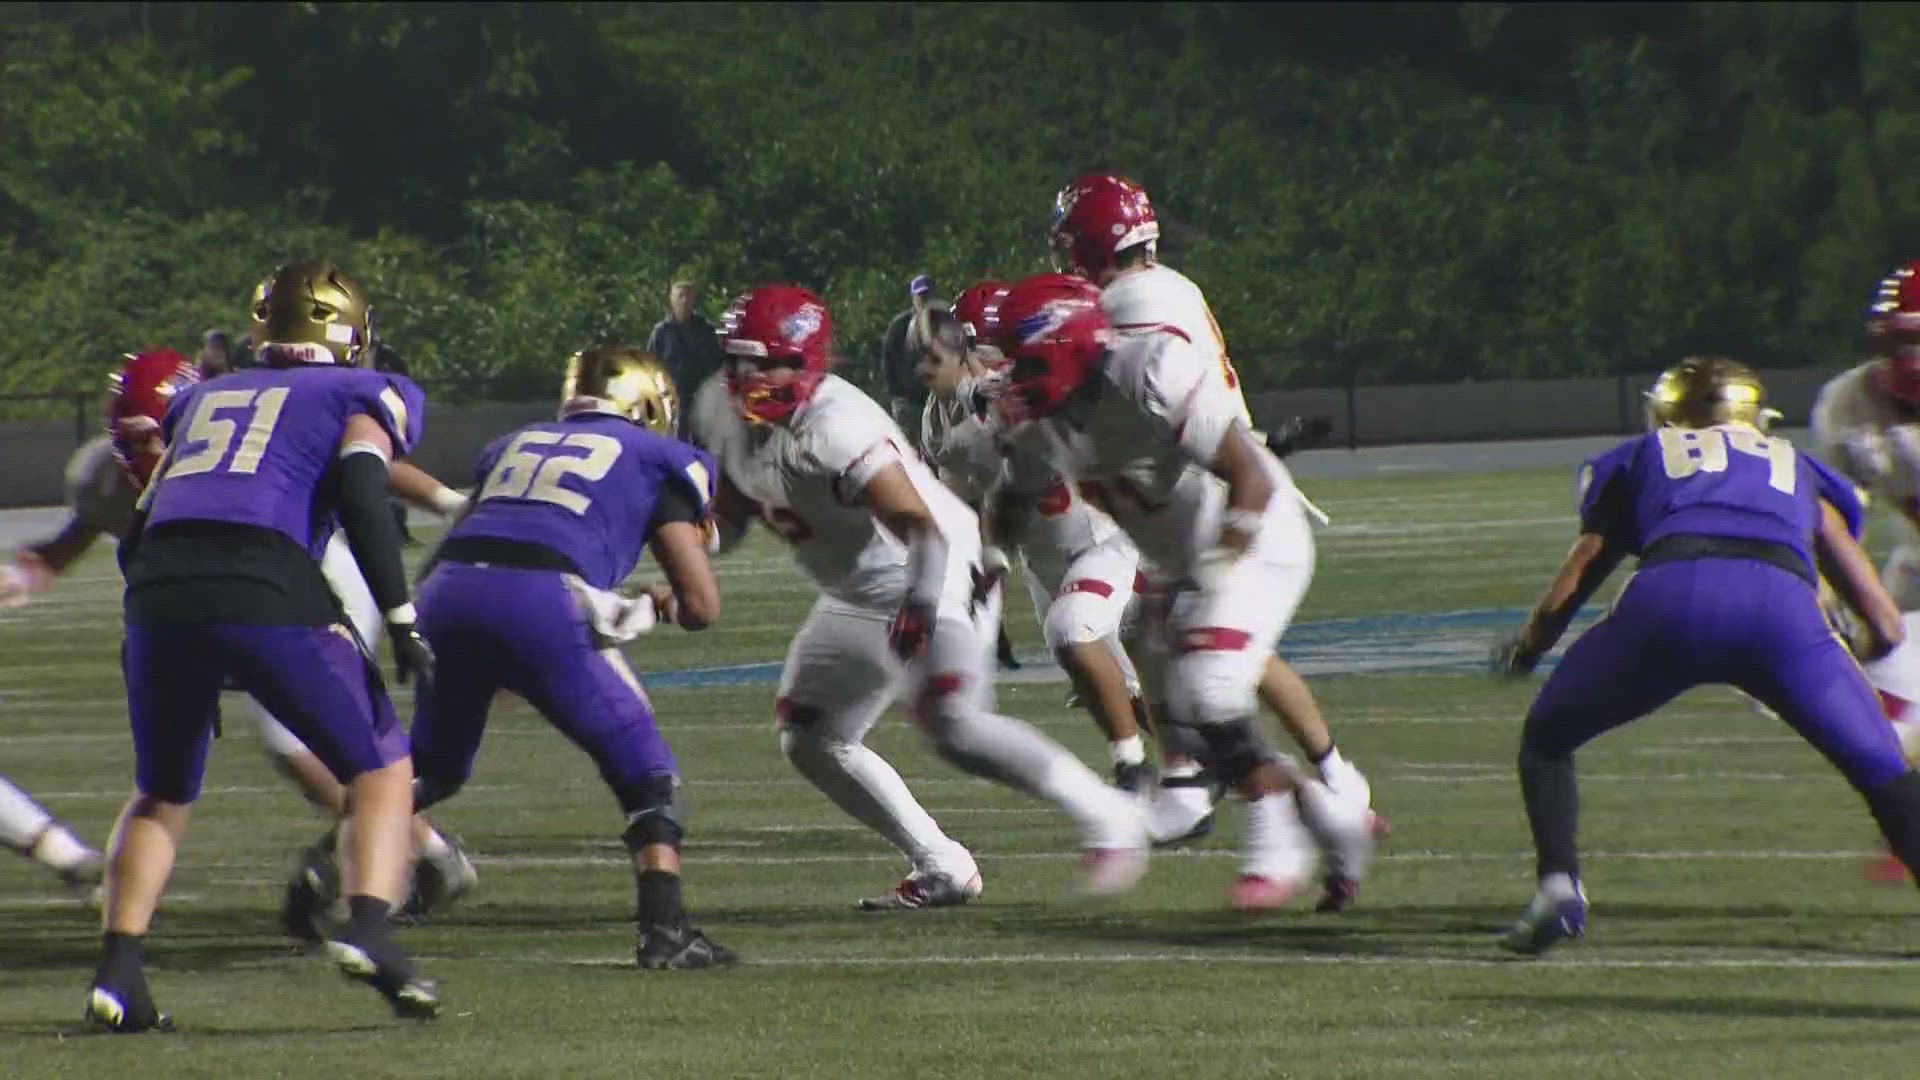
(311, 302)
(625, 380)
(1702, 391)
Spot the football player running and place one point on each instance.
(1105, 230)
(222, 561)
(1079, 567)
(1137, 416)
(1866, 421)
(1730, 527)
(905, 606)
(104, 479)
(520, 596)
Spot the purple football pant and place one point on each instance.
(1737, 621)
(494, 628)
(315, 679)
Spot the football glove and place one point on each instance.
(911, 629)
(987, 577)
(1510, 659)
(412, 656)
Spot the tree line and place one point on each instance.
(1367, 192)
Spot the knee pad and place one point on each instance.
(654, 816)
(1232, 749)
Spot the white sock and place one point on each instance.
(1558, 887)
(1015, 753)
(1180, 769)
(60, 849)
(1128, 751)
(21, 819)
(862, 784)
(1278, 845)
(435, 847)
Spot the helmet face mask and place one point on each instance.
(777, 340)
(625, 381)
(1053, 333)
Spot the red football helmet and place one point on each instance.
(1053, 332)
(973, 309)
(137, 399)
(772, 327)
(1095, 218)
(1894, 321)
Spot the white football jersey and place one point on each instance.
(99, 492)
(1868, 436)
(1158, 295)
(1138, 447)
(808, 475)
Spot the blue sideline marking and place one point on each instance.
(1443, 641)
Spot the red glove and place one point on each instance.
(912, 627)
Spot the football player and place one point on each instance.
(103, 481)
(222, 561)
(1135, 418)
(1105, 230)
(905, 607)
(1079, 567)
(520, 596)
(1730, 527)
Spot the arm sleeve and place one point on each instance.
(371, 532)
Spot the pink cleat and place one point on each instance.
(1885, 869)
(1253, 894)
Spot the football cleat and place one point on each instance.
(123, 1011)
(1885, 869)
(680, 948)
(379, 963)
(1548, 921)
(1110, 871)
(438, 882)
(1340, 892)
(918, 890)
(1253, 894)
(311, 893)
(1181, 810)
(1135, 778)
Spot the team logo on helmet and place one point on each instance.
(1044, 322)
(802, 324)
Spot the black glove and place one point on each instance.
(412, 656)
(912, 628)
(1510, 659)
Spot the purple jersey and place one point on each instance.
(1727, 480)
(252, 448)
(587, 487)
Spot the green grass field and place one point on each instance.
(1732, 935)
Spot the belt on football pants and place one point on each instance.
(508, 554)
(1684, 547)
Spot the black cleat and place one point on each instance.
(311, 893)
(437, 884)
(1341, 891)
(1134, 779)
(1003, 653)
(123, 1010)
(376, 961)
(680, 948)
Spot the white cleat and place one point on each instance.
(1110, 871)
(1177, 814)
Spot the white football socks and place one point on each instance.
(1278, 846)
(1016, 753)
(1128, 751)
(21, 819)
(862, 784)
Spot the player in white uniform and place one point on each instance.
(1105, 230)
(1866, 422)
(1079, 567)
(103, 480)
(1141, 419)
(904, 610)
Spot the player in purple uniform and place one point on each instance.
(1729, 526)
(521, 597)
(223, 580)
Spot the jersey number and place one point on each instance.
(530, 470)
(217, 431)
(1685, 451)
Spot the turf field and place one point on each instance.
(1731, 933)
